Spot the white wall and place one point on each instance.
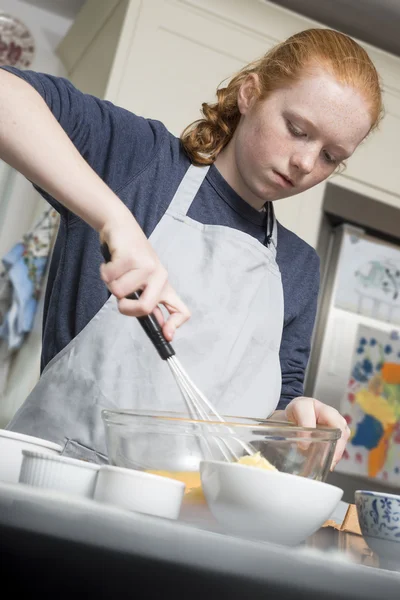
(47, 30)
(23, 205)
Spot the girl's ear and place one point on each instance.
(248, 93)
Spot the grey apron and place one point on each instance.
(230, 346)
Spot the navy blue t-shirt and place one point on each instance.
(143, 164)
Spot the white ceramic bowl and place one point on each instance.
(379, 518)
(11, 446)
(138, 491)
(60, 473)
(267, 505)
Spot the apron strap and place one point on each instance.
(271, 238)
(187, 189)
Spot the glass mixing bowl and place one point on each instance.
(173, 444)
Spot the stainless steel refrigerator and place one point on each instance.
(355, 361)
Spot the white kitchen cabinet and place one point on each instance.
(163, 58)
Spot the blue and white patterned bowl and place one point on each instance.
(379, 515)
(379, 518)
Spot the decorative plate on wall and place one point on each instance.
(17, 46)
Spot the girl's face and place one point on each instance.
(295, 138)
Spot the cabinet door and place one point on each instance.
(180, 51)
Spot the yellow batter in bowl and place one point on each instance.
(194, 493)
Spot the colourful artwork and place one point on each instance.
(369, 278)
(371, 407)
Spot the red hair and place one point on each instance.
(336, 52)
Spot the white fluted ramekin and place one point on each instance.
(11, 446)
(60, 473)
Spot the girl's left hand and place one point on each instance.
(309, 412)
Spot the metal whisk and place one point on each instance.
(198, 405)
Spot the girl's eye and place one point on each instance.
(294, 131)
(330, 159)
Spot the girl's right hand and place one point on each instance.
(134, 266)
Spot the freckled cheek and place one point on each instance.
(251, 152)
(282, 150)
(267, 149)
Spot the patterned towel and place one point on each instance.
(21, 279)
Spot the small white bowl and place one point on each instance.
(60, 473)
(139, 491)
(11, 446)
(268, 505)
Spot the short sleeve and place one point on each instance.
(116, 143)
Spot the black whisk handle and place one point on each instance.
(149, 323)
